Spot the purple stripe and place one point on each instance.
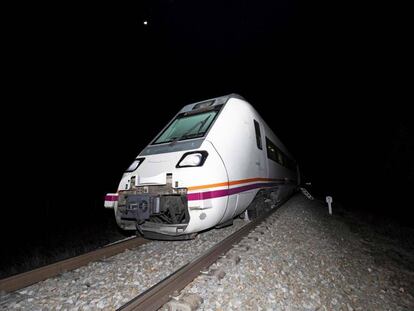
(111, 198)
(224, 192)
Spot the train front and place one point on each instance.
(160, 194)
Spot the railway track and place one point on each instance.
(25, 279)
(159, 294)
(149, 299)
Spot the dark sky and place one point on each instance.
(99, 85)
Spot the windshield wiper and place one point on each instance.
(201, 123)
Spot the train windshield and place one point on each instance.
(187, 127)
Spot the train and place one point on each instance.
(210, 164)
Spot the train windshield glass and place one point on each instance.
(187, 127)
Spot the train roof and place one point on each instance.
(210, 102)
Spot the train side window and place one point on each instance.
(275, 154)
(271, 150)
(258, 135)
(281, 159)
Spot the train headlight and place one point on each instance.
(192, 159)
(135, 165)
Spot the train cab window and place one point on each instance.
(187, 126)
(258, 135)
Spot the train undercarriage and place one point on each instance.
(155, 206)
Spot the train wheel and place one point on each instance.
(252, 213)
(260, 204)
(257, 206)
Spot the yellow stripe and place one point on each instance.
(236, 182)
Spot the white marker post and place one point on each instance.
(329, 201)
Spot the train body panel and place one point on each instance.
(203, 169)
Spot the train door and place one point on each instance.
(260, 157)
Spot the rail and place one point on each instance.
(159, 294)
(22, 280)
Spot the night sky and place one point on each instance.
(98, 84)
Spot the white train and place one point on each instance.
(202, 170)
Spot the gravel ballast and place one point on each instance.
(110, 283)
(300, 258)
(305, 260)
